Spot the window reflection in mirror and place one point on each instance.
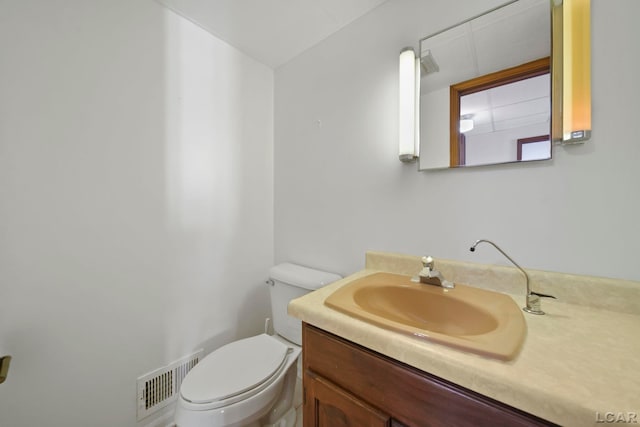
(512, 35)
(492, 116)
(534, 148)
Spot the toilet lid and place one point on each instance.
(234, 369)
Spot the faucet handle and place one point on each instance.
(427, 262)
(543, 295)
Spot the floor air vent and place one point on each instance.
(159, 388)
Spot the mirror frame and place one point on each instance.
(556, 8)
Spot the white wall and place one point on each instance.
(340, 190)
(136, 202)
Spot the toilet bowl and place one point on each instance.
(214, 394)
(251, 382)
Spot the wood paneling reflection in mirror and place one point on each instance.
(514, 102)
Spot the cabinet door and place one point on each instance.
(327, 405)
(413, 397)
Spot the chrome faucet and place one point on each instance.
(431, 276)
(533, 298)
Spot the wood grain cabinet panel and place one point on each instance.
(349, 385)
(328, 405)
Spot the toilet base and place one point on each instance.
(287, 420)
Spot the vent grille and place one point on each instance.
(183, 369)
(159, 388)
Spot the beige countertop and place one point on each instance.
(578, 366)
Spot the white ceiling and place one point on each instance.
(523, 103)
(506, 37)
(272, 31)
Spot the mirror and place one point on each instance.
(485, 89)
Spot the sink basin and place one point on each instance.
(472, 319)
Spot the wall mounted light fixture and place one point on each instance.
(408, 118)
(576, 71)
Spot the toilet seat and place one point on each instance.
(235, 372)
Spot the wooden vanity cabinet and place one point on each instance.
(349, 385)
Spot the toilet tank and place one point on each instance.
(290, 281)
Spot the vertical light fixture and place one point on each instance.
(416, 112)
(407, 116)
(576, 50)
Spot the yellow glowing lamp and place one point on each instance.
(576, 40)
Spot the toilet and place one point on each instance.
(251, 382)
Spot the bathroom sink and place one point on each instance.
(472, 319)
